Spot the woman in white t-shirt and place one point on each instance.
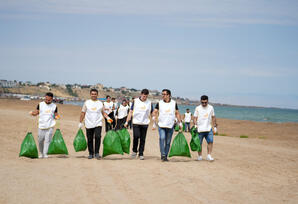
(204, 117)
(121, 114)
(108, 109)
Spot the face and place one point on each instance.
(108, 99)
(124, 103)
(204, 103)
(48, 99)
(187, 111)
(144, 97)
(165, 96)
(93, 95)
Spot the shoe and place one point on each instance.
(141, 157)
(133, 155)
(97, 156)
(165, 159)
(90, 156)
(209, 158)
(200, 158)
(162, 158)
(40, 156)
(45, 156)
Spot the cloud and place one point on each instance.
(189, 12)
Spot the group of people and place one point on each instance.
(138, 113)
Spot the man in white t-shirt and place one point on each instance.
(187, 119)
(166, 110)
(121, 114)
(140, 112)
(108, 109)
(47, 112)
(93, 113)
(204, 118)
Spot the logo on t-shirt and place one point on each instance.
(94, 108)
(48, 111)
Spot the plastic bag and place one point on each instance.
(177, 128)
(80, 143)
(179, 146)
(112, 144)
(195, 144)
(125, 139)
(57, 145)
(28, 147)
(183, 127)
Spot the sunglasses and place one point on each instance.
(204, 102)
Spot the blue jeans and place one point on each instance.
(165, 137)
(207, 135)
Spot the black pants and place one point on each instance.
(109, 126)
(130, 123)
(91, 133)
(120, 123)
(139, 134)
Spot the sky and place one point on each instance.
(241, 52)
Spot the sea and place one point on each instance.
(261, 114)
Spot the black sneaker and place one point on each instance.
(90, 156)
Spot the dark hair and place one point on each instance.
(124, 100)
(113, 98)
(145, 91)
(187, 109)
(167, 90)
(94, 90)
(50, 94)
(204, 97)
(108, 96)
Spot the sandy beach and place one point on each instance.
(262, 168)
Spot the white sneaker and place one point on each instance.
(200, 158)
(133, 155)
(45, 156)
(209, 158)
(40, 156)
(141, 157)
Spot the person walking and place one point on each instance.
(121, 114)
(93, 113)
(47, 112)
(204, 118)
(167, 110)
(141, 109)
(108, 109)
(187, 119)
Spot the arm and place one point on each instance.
(177, 114)
(82, 116)
(195, 120)
(34, 113)
(214, 121)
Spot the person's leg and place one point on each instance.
(111, 125)
(122, 122)
(143, 134)
(169, 134)
(201, 137)
(97, 132)
(41, 137)
(187, 127)
(90, 135)
(162, 139)
(136, 137)
(47, 141)
(209, 140)
(106, 125)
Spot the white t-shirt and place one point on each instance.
(46, 115)
(122, 111)
(93, 116)
(187, 117)
(141, 112)
(166, 118)
(108, 105)
(204, 120)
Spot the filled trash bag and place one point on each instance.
(183, 128)
(80, 143)
(28, 147)
(57, 145)
(176, 127)
(112, 144)
(179, 146)
(125, 139)
(195, 144)
(193, 130)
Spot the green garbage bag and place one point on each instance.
(80, 143)
(179, 146)
(125, 139)
(183, 128)
(176, 127)
(112, 144)
(28, 147)
(195, 144)
(193, 130)
(57, 145)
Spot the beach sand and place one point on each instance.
(262, 168)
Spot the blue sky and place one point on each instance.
(238, 52)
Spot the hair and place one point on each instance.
(108, 96)
(145, 91)
(124, 100)
(50, 94)
(204, 97)
(113, 98)
(167, 90)
(187, 109)
(94, 90)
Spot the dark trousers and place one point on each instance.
(139, 134)
(120, 123)
(91, 134)
(130, 123)
(109, 126)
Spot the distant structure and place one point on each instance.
(8, 84)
